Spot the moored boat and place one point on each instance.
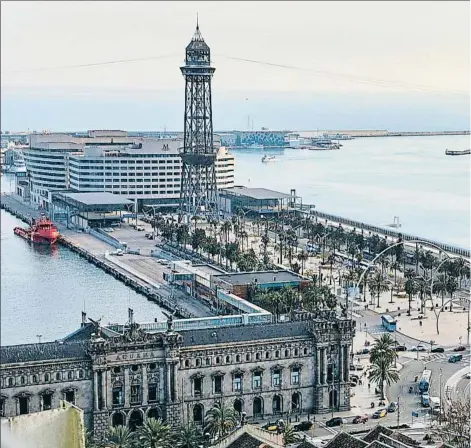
(41, 231)
(267, 159)
(448, 152)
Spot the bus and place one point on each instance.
(388, 322)
(424, 383)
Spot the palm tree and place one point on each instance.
(303, 256)
(396, 266)
(383, 348)
(154, 434)
(290, 435)
(220, 420)
(119, 437)
(451, 287)
(382, 371)
(378, 284)
(290, 299)
(189, 436)
(439, 287)
(410, 287)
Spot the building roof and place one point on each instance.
(246, 441)
(244, 278)
(97, 198)
(11, 354)
(256, 193)
(375, 433)
(403, 438)
(244, 333)
(345, 440)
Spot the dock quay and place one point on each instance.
(25, 213)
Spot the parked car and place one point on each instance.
(360, 419)
(400, 348)
(336, 421)
(437, 350)
(359, 366)
(271, 426)
(393, 406)
(418, 348)
(461, 348)
(363, 351)
(303, 426)
(455, 358)
(354, 377)
(140, 229)
(380, 413)
(468, 375)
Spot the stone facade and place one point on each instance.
(281, 369)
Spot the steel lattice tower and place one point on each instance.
(198, 189)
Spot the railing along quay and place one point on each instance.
(461, 251)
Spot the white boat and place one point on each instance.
(267, 159)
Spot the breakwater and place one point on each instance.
(25, 215)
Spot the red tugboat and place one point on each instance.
(42, 231)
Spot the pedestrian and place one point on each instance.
(369, 385)
(360, 381)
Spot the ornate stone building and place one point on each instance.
(276, 369)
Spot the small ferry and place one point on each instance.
(41, 231)
(267, 159)
(457, 153)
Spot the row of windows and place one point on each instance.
(136, 394)
(238, 381)
(228, 359)
(46, 378)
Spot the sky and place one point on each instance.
(281, 65)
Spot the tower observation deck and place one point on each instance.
(199, 189)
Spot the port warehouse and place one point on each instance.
(91, 210)
(144, 169)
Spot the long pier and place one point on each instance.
(25, 213)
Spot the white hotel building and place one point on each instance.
(148, 170)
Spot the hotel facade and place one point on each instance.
(143, 169)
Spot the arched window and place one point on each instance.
(46, 377)
(296, 352)
(117, 419)
(228, 359)
(198, 362)
(117, 370)
(267, 355)
(257, 407)
(35, 378)
(10, 382)
(136, 419)
(277, 404)
(238, 358)
(152, 366)
(208, 361)
(257, 356)
(198, 413)
(238, 405)
(305, 351)
(70, 375)
(247, 357)
(187, 363)
(277, 354)
(135, 368)
(296, 402)
(218, 360)
(58, 376)
(22, 380)
(153, 413)
(80, 373)
(286, 353)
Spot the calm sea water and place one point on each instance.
(43, 291)
(374, 179)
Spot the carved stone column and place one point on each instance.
(145, 393)
(104, 402)
(109, 389)
(341, 363)
(346, 363)
(324, 367)
(167, 383)
(95, 389)
(318, 365)
(127, 388)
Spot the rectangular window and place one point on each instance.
(118, 398)
(218, 384)
(152, 392)
(198, 386)
(70, 396)
(257, 381)
(276, 378)
(135, 394)
(295, 376)
(330, 373)
(24, 405)
(47, 402)
(237, 383)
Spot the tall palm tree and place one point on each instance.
(382, 371)
(451, 287)
(439, 287)
(410, 286)
(396, 266)
(154, 434)
(383, 348)
(303, 256)
(220, 421)
(119, 437)
(379, 284)
(189, 436)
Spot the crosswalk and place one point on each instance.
(444, 356)
(376, 329)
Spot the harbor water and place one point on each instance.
(43, 291)
(375, 179)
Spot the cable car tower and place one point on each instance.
(198, 194)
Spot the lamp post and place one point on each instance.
(440, 392)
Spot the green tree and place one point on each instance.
(383, 348)
(290, 435)
(439, 287)
(455, 429)
(154, 434)
(451, 287)
(189, 436)
(382, 371)
(220, 421)
(378, 284)
(303, 256)
(119, 437)
(410, 286)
